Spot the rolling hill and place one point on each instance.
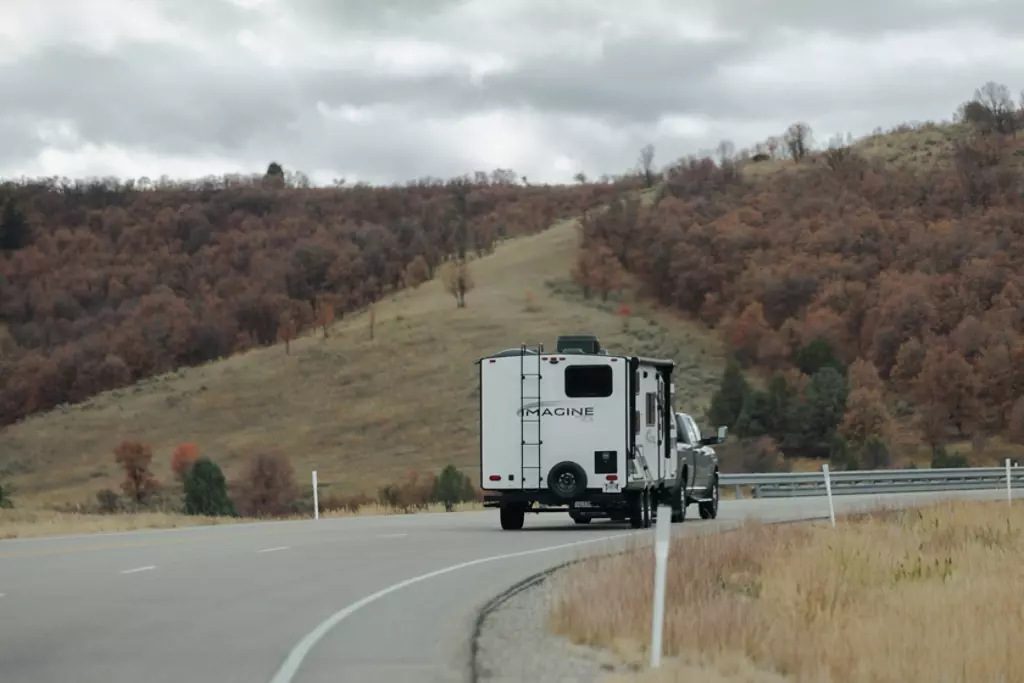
(362, 411)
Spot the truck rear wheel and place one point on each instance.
(709, 510)
(678, 505)
(512, 517)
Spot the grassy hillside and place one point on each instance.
(362, 411)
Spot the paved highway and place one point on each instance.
(358, 599)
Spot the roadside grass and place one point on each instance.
(917, 595)
(28, 523)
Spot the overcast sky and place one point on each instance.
(388, 90)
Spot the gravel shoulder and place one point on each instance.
(514, 645)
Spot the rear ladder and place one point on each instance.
(529, 392)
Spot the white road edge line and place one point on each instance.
(138, 569)
(270, 550)
(291, 664)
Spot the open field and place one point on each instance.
(35, 523)
(361, 411)
(925, 594)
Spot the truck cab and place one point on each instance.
(698, 465)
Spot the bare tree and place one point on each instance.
(798, 140)
(647, 163)
(726, 150)
(995, 97)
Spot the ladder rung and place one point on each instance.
(532, 443)
(531, 398)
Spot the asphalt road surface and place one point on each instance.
(358, 599)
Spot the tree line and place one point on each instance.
(104, 283)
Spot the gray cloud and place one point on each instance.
(211, 96)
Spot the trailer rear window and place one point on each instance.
(588, 381)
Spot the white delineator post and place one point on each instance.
(1009, 487)
(662, 538)
(316, 498)
(828, 492)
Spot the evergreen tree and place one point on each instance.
(206, 490)
(727, 403)
(452, 486)
(818, 355)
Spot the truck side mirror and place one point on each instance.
(722, 431)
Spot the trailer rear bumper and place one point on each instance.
(545, 501)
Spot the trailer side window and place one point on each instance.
(588, 381)
(652, 407)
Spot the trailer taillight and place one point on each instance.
(611, 477)
(495, 477)
(493, 361)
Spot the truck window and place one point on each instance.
(694, 430)
(682, 430)
(588, 381)
(652, 408)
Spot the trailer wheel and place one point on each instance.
(567, 480)
(512, 517)
(646, 501)
(709, 510)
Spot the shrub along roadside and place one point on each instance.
(266, 489)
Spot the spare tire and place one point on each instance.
(567, 480)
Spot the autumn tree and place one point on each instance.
(324, 314)
(458, 280)
(947, 393)
(286, 331)
(139, 483)
(417, 272)
(585, 271)
(745, 334)
(267, 487)
(183, 458)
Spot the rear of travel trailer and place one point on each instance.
(577, 430)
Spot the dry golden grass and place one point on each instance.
(362, 412)
(22, 523)
(922, 595)
(911, 147)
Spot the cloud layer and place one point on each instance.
(388, 90)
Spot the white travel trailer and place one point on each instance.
(579, 430)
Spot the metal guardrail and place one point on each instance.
(853, 482)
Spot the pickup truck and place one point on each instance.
(701, 485)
